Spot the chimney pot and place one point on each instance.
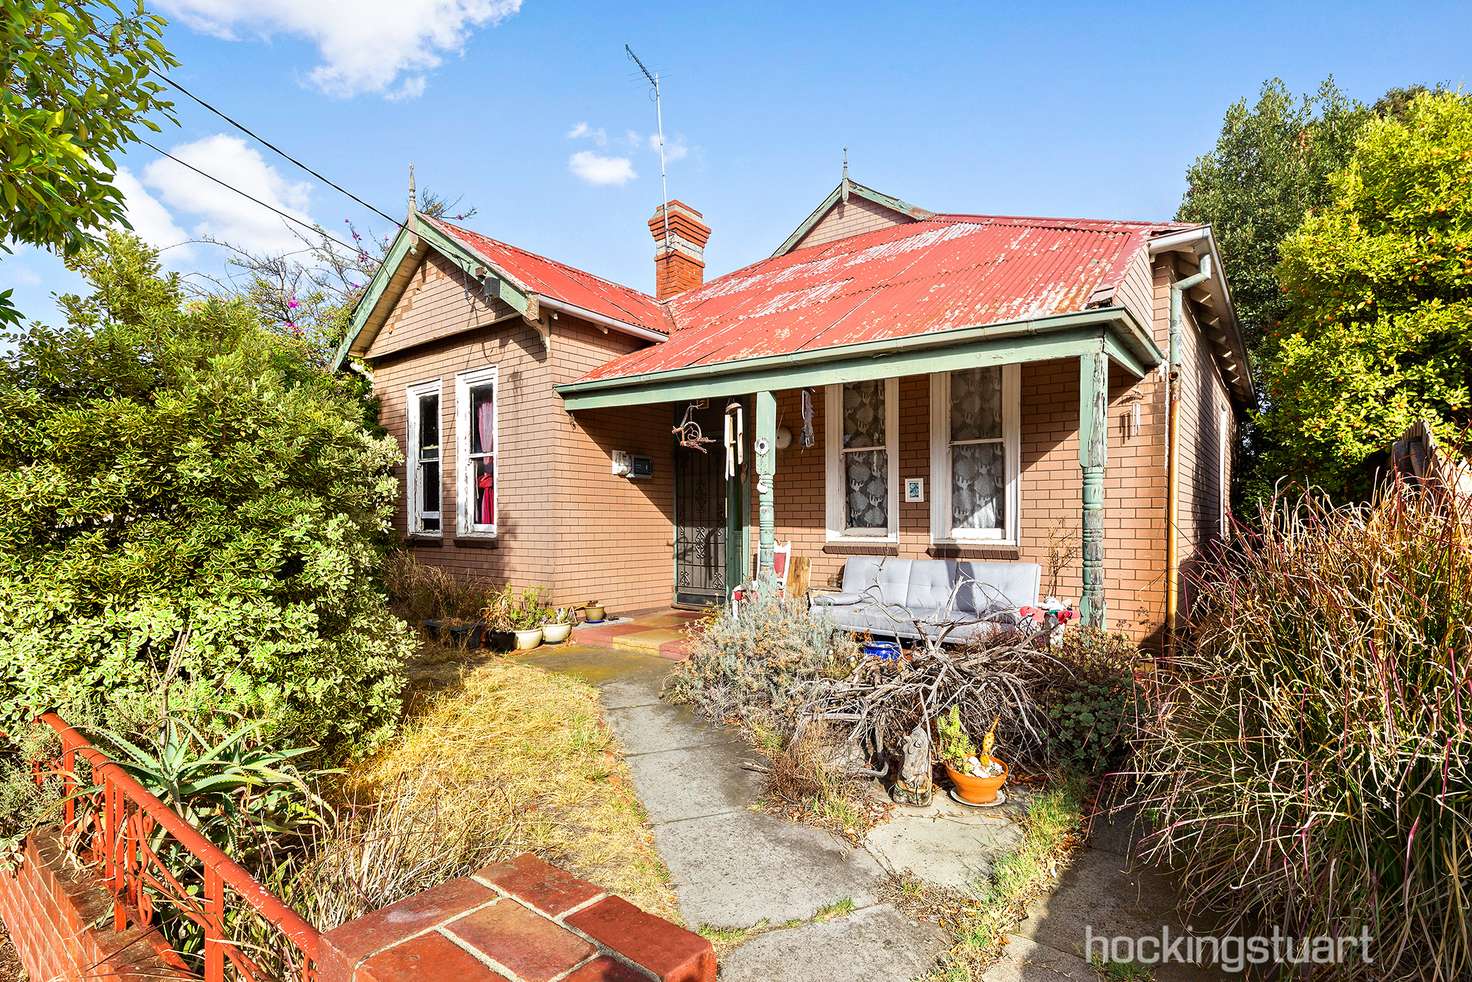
(679, 262)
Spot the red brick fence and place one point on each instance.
(80, 903)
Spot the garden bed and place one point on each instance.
(503, 759)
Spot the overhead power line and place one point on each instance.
(316, 229)
(277, 150)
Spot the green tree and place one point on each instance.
(74, 90)
(1270, 166)
(1378, 329)
(193, 517)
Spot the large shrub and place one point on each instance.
(1309, 762)
(1377, 333)
(192, 517)
(754, 668)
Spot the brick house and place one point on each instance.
(903, 383)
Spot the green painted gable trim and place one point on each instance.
(505, 287)
(854, 188)
(1040, 339)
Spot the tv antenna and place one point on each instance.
(664, 188)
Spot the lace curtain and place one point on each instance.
(978, 456)
(865, 462)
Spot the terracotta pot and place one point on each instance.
(527, 640)
(555, 633)
(978, 790)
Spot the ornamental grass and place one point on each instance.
(1307, 760)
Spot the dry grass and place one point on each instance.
(978, 922)
(513, 759)
(10, 969)
(805, 784)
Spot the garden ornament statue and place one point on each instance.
(914, 786)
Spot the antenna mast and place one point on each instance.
(664, 188)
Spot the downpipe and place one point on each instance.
(1173, 454)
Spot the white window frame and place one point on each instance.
(465, 523)
(941, 530)
(834, 450)
(414, 473)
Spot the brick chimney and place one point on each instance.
(679, 264)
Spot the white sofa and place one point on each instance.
(886, 596)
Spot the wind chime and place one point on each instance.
(688, 431)
(734, 439)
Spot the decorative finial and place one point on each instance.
(843, 185)
(413, 198)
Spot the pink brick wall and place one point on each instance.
(59, 920)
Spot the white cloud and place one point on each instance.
(17, 275)
(675, 148)
(151, 221)
(582, 131)
(219, 212)
(595, 168)
(365, 45)
(411, 88)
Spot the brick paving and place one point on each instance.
(519, 921)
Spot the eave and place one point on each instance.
(387, 285)
(1111, 329)
(1218, 320)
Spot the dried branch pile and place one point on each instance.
(879, 702)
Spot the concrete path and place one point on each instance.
(735, 868)
(1104, 892)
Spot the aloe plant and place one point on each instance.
(233, 791)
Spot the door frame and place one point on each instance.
(738, 517)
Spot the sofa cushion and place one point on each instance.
(894, 580)
(1002, 585)
(860, 573)
(935, 584)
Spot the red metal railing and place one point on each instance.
(125, 819)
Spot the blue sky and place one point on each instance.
(1088, 110)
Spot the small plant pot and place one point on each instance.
(978, 790)
(433, 628)
(555, 633)
(499, 640)
(594, 615)
(527, 640)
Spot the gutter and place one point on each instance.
(601, 320)
(1173, 459)
(878, 349)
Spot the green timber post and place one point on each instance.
(766, 469)
(1093, 451)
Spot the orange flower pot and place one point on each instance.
(978, 790)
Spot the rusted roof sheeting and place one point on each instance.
(559, 281)
(941, 273)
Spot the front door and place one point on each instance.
(700, 514)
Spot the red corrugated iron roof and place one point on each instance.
(559, 281)
(940, 273)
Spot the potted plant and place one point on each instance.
(977, 776)
(499, 619)
(593, 612)
(527, 612)
(558, 626)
